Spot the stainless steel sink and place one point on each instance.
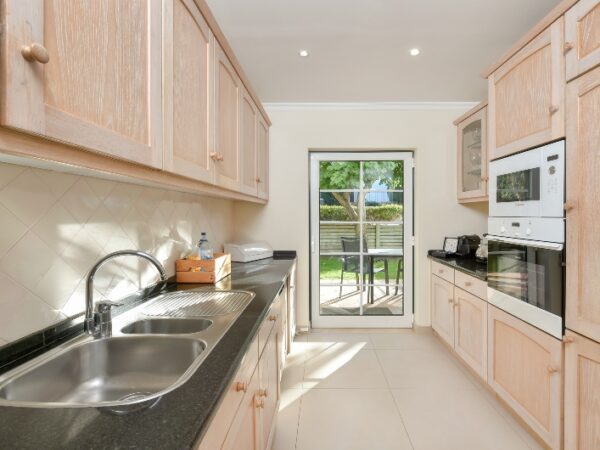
(167, 326)
(107, 370)
(147, 356)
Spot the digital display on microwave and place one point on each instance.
(520, 186)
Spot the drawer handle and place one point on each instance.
(263, 393)
(553, 109)
(553, 369)
(260, 403)
(220, 158)
(214, 156)
(35, 52)
(450, 300)
(272, 318)
(441, 271)
(569, 206)
(258, 180)
(241, 387)
(468, 284)
(568, 46)
(568, 339)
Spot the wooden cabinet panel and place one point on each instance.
(227, 121)
(470, 284)
(582, 397)
(442, 271)
(187, 90)
(100, 87)
(470, 335)
(269, 386)
(442, 309)
(583, 197)
(263, 159)
(525, 369)
(582, 37)
(249, 143)
(526, 95)
(473, 157)
(245, 432)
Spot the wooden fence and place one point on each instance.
(378, 236)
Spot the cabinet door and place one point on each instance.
(442, 309)
(583, 195)
(472, 157)
(470, 335)
(582, 397)
(526, 93)
(249, 153)
(525, 370)
(263, 159)
(269, 386)
(582, 37)
(92, 76)
(187, 90)
(246, 432)
(227, 122)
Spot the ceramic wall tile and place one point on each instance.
(55, 226)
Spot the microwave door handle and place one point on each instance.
(528, 243)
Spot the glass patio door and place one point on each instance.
(361, 239)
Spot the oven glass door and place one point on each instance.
(528, 271)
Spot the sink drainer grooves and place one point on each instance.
(198, 304)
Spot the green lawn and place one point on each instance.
(331, 269)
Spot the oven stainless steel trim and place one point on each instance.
(538, 317)
(528, 243)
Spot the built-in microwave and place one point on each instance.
(529, 184)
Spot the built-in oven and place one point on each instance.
(529, 184)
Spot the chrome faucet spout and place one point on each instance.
(90, 325)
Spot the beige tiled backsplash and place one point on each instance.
(54, 226)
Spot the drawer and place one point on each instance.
(219, 426)
(270, 320)
(471, 284)
(442, 271)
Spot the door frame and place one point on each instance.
(362, 321)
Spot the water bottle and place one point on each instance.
(204, 249)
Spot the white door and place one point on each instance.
(361, 217)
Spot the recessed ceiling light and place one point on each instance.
(303, 53)
(414, 51)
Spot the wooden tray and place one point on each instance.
(203, 270)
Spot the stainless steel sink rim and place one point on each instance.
(209, 337)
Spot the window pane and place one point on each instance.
(339, 174)
(381, 206)
(339, 206)
(382, 300)
(330, 269)
(383, 175)
(339, 238)
(385, 238)
(339, 300)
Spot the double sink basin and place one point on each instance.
(154, 348)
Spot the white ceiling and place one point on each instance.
(359, 48)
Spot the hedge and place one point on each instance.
(383, 213)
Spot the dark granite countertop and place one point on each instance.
(470, 266)
(181, 417)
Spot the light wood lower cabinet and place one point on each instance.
(442, 309)
(526, 95)
(470, 330)
(583, 197)
(582, 37)
(525, 370)
(268, 393)
(582, 393)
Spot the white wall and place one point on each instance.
(284, 222)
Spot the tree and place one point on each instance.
(337, 175)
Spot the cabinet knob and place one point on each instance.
(214, 156)
(220, 158)
(553, 109)
(258, 179)
(485, 178)
(553, 369)
(440, 270)
(450, 300)
(263, 393)
(241, 387)
(569, 206)
(272, 318)
(260, 403)
(468, 283)
(568, 339)
(35, 52)
(568, 46)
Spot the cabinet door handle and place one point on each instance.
(450, 300)
(260, 403)
(485, 178)
(220, 158)
(468, 283)
(241, 387)
(440, 271)
(35, 52)
(263, 393)
(258, 179)
(553, 369)
(553, 109)
(568, 339)
(568, 46)
(272, 318)
(214, 156)
(569, 206)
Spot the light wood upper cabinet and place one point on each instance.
(470, 330)
(187, 90)
(87, 74)
(263, 159)
(249, 144)
(583, 198)
(473, 157)
(227, 122)
(582, 37)
(442, 309)
(525, 370)
(582, 396)
(526, 95)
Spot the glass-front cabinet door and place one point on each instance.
(472, 157)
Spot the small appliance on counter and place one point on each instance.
(467, 245)
(481, 254)
(251, 251)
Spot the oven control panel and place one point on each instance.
(548, 229)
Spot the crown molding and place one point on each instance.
(369, 106)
